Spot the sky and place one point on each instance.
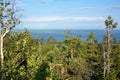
(68, 14)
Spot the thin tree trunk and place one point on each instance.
(1, 50)
(105, 64)
(2, 35)
(107, 54)
(2, 55)
(108, 51)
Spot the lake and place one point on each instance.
(60, 34)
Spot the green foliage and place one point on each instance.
(43, 72)
(8, 18)
(108, 59)
(71, 59)
(92, 38)
(20, 56)
(109, 23)
(26, 58)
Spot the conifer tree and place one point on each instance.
(109, 26)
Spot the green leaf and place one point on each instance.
(9, 11)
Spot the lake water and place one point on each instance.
(60, 34)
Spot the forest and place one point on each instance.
(27, 58)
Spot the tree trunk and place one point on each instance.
(109, 26)
(1, 50)
(107, 54)
(2, 55)
(108, 50)
(105, 64)
(2, 35)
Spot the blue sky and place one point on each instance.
(68, 14)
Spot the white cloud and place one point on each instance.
(51, 19)
(88, 18)
(43, 19)
(45, 1)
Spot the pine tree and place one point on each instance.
(109, 26)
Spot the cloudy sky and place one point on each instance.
(68, 14)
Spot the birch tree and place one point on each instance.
(8, 20)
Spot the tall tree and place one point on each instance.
(92, 38)
(109, 26)
(8, 20)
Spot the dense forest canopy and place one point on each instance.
(27, 58)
